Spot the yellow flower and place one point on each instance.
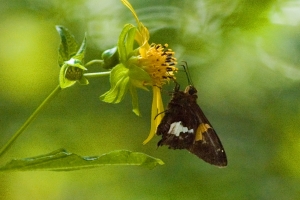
(159, 62)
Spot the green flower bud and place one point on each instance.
(110, 58)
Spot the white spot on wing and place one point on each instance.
(176, 128)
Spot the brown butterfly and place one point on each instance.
(185, 126)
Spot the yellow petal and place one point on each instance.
(129, 6)
(142, 35)
(156, 113)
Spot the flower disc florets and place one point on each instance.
(159, 63)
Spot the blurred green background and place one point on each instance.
(244, 61)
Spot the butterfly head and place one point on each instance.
(190, 90)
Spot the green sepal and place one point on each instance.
(75, 62)
(63, 81)
(126, 41)
(139, 77)
(68, 46)
(135, 102)
(126, 75)
(129, 42)
(119, 80)
(83, 81)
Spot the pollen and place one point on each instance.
(160, 63)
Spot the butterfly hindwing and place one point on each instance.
(185, 126)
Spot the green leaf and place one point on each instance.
(119, 80)
(61, 160)
(68, 46)
(80, 53)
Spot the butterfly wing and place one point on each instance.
(185, 126)
(176, 128)
(207, 144)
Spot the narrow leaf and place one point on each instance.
(61, 160)
(80, 53)
(135, 101)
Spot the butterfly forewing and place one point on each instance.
(185, 126)
(209, 149)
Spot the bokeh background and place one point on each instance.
(243, 58)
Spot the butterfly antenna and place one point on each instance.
(186, 69)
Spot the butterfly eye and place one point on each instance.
(192, 90)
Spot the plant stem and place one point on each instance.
(96, 74)
(94, 62)
(29, 120)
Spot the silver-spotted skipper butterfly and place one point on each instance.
(185, 126)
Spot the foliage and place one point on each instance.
(62, 160)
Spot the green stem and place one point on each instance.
(96, 74)
(94, 62)
(30, 119)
